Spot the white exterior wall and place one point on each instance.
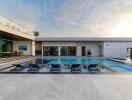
(79, 51)
(92, 46)
(29, 46)
(116, 49)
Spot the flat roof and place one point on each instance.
(77, 39)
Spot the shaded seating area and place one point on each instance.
(10, 54)
(12, 45)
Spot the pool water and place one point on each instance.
(117, 66)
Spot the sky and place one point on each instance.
(72, 18)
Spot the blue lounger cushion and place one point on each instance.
(55, 68)
(93, 68)
(75, 68)
(34, 68)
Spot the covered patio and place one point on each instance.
(13, 45)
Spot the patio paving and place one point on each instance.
(10, 59)
(65, 86)
(17, 60)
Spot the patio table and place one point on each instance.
(3, 54)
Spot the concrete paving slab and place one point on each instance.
(65, 87)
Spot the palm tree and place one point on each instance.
(36, 33)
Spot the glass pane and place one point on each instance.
(83, 51)
(9, 47)
(23, 47)
(1, 45)
(63, 51)
(71, 51)
(6, 45)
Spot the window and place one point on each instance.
(23, 47)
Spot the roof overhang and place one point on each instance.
(90, 39)
(10, 36)
(15, 33)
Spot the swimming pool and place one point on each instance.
(117, 66)
(68, 65)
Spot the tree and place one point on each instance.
(36, 33)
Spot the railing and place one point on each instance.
(14, 25)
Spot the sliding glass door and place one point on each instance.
(63, 51)
(9, 46)
(6, 45)
(71, 51)
(83, 51)
(50, 50)
(1, 45)
(68, 51)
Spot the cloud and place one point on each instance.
(65, 18)
(20, 12)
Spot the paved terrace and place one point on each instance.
(10, 59)
(65, 87)
(7, 62)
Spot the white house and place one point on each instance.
(95, 47)
(17, 38)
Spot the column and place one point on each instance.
(59, 51)
(79, 51)
(42, 50)
(33, 48)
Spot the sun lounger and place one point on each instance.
(75, 68)
(55, 68)
(18, 68)
(93, 68)
(34, 68)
